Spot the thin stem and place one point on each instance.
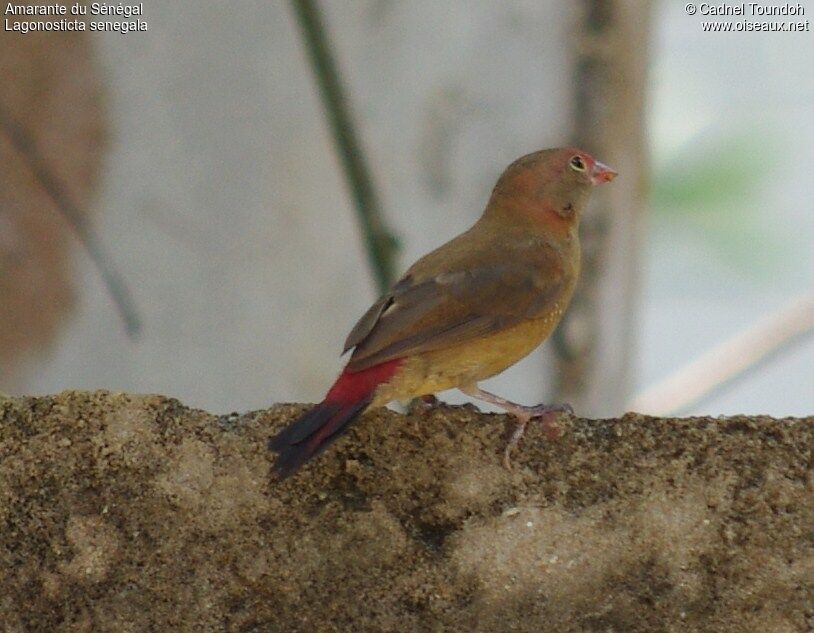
(380, 243)
(24, 143)
(696, 382)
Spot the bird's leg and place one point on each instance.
(523, 414)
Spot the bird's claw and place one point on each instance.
(514, 439)
(543, 409)
(550, 429)
(423, 405)
(548, 419)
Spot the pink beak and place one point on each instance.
(602, 173)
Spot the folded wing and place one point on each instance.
(423, 313)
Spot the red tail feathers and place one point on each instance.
(322, 424)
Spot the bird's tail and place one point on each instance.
(312, 432)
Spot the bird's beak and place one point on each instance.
(602, 173)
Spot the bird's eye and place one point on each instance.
(577, 163)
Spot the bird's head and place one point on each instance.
(550, 186)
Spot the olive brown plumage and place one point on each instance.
(467, 310)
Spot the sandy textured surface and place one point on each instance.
(134, 513)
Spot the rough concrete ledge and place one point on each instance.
(134, 513)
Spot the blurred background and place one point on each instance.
(198, 160)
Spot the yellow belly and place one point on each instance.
(467, 364)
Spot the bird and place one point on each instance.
(467, 310)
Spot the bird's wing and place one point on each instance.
(423, 313)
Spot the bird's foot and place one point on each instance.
(546, 414)
(423, 404)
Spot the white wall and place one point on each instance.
(224, 205)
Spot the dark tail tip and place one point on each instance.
(290, 459)
(310, 434)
